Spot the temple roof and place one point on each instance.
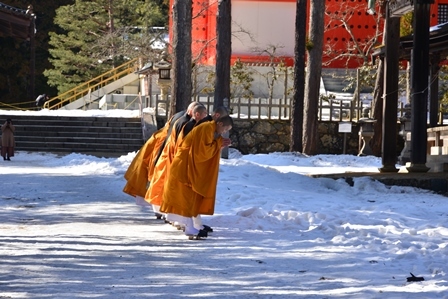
(438, 43)
(15, 22)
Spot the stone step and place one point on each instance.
(82, 139)
(65, 128)
(75, 146)
(82, 123)
(75, 119)
(106, 136)
(81, 134)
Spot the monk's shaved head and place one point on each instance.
(225, 120)
(192, 106)
(219, 112)
(199, 109)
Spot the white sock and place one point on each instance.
(140, 201)
(177, 218)
(156, 208)
(189, 227)
(197, 222)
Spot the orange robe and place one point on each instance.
(190, 187)
(141, 169)
(154, 194)
(155, 191)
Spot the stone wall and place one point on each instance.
(267, 136)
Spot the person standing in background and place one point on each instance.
(41, 99)
(8, 142)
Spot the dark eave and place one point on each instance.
(14, 22)
(438, 43)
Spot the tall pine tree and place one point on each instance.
(95, 36)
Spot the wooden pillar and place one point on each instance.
(419, 86)
(434, 90)
(390, 97)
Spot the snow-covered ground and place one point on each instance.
(68, 231)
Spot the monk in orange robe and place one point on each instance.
(141, 169)
(181, 129)
(190, 188)
(160, 161)
(155, 190)
(197, 221)
(139, 172)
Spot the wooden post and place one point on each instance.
(390, 97)
(419, 86)
(434, 90)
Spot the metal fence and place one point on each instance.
(278, 109)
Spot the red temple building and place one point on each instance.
(260, 25)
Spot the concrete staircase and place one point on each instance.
(99, 136)
(91, 99)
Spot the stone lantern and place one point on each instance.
(164, 80)
(366, 132)
(405, 133)
(145, 74)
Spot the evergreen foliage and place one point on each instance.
(95, 36)
(406, 21)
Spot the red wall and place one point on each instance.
(362, 25)
(336, 37)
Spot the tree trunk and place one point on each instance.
(181, 60)
(313, 74)
(111, 33)
(223, 52)
(377, 104)
(299, 77)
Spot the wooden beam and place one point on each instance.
(14, 25)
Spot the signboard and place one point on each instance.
(345, 127)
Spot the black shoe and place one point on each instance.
(201, 234)
(8, 159)
(207, 228)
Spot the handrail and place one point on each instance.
(91, 85)
(14, 107)
(132, 102)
